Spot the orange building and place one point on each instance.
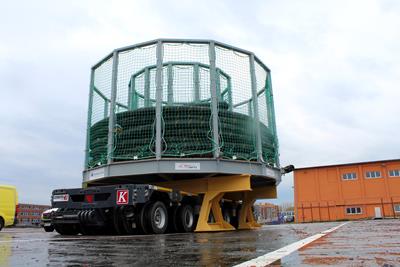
(347, 191)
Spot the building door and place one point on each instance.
(378, 213)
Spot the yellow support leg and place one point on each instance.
(213, 189)
(211, 203)
(246, 217)
(236, 187)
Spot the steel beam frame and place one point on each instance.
(153, 166)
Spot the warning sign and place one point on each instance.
(122, 197)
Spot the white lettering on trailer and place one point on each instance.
(187, 166)
(122, 197)
(61, 198)
(96, 174)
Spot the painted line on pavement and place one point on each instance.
(278, 254)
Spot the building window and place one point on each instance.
(394, 173)
(397, 208)
(353, 210)
(373, 174)
(349, 176)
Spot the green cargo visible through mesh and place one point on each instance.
(195, 88)
(186, 134)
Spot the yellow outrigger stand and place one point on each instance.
(235, 187)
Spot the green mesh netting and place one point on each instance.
(185, 100)
(186, 128)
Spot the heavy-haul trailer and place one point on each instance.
(121, 209)
(181, 136)
(145, 208)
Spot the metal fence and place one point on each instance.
(181, 99)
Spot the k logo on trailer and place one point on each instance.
(122, 197)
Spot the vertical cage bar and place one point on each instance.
(159, 96)
(249, 109)
(218, 82)
(255, 105)
(89, 119)
(271, 116)
(147, 87)
(105, 114)
(170, 85)
(214, 99)
(133, 96)
(196, 82)
(230, 94)
(111, 121)
(130, 93)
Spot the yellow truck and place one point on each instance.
(8, 205)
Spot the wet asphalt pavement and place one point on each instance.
(34, 247)
(361, 243)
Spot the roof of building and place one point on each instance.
(347, 164)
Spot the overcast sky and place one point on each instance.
(335, 72)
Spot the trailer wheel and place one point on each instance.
(70, 229)
(128, 226)
(141, 219)
(158, 217)
(173, 219)
(128, 222)
(89, 230)
(48, 229)
(118, 221)
(185, 219)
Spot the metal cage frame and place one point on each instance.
(259, 168)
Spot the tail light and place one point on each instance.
(89, 198)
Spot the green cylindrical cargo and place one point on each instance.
(168, 99)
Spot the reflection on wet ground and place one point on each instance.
(364, 240)
(361, 243)
(34, 247)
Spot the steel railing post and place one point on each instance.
(159, 95)
(112, 118)
(89, 119)
(255, 108)
(214, 99)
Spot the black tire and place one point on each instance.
(185, 219)
(157, 217)
(128, 220)
(1, 223)
(128, 227)
(173, 218)
(118, 222)
(67, 229)
(141, 219)
(88, 230)
(48, 229)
